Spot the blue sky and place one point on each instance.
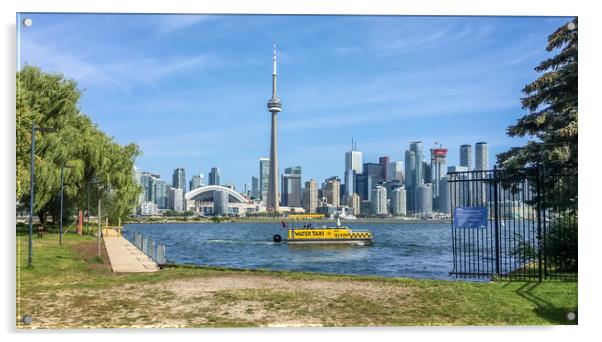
(191, 90)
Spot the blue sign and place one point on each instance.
(470, 217)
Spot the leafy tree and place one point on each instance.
(95, 163)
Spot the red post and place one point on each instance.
(80, 229)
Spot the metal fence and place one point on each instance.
(151, 248)
(519, 224)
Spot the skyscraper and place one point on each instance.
(176, 197)
(353, 167)
(214, 176)
(443, 200)
(264, 178)
(274, 107)
(350, 180)
(179, 179)
(353, 160)
(148, 181)
(410, 169)
(332, 187)
(438, 170)
(310, 196)
(481, 164)
(481, 156)
(425, 199)
(353, 202)
(161, 194)
(220, 202)
(379, 200)
(416, 147)
(459, 191)
(384, 161)
(398, 201)
(196, 181)
(395, 171)
(254, 187)
(363, 186)
(466, 156)
(291, 187)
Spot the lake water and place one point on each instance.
(412, 250)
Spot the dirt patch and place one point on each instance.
(88, 251)
(226, 300)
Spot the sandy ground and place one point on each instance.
(227, 300)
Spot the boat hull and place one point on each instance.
(360, 242)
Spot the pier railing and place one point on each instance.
(156, 251)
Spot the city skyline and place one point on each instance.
(421, 88)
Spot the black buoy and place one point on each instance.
(277, 238)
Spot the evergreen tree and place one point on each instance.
(552, 104)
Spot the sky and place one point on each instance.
(191, 90)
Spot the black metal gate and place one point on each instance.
(514, 224)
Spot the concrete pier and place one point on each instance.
(126, 258)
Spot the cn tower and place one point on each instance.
(274, 106)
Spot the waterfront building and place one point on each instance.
(425, 199)
(379, 200)
(214, 176)
(254, 187)
(264, 177)
(291, 187)
(384, 161)
(220, 202)
(398, 201)
(310, 197)
(148, 208)
(274, 107)
(395, 171)
(331, 189)
(176, 199)
(466, 156)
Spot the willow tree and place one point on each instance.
(93, 159)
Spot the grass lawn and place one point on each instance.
(69, 288)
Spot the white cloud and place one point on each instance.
(170, 23)
(124, 72)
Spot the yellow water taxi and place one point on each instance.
(302, 231)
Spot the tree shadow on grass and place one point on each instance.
(544, 308)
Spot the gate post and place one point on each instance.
(540, 241)
(496, 222)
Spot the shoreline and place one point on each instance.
(204, 296)
(278, 221)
